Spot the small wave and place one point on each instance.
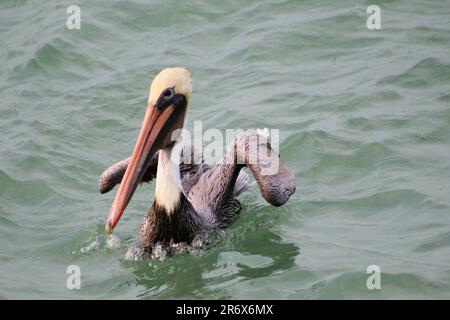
(426, 73)
(352, 285)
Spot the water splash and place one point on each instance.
(93, 246)
(113, 242)
(97, 241)
(161, 251)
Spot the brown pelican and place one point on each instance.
(190, 197)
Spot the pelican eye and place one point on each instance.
(166, 98)
(168, 93)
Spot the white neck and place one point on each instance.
(168, 187)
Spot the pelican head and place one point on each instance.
(168, 102)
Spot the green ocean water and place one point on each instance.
(364, 119)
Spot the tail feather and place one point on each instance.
(242, 183)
